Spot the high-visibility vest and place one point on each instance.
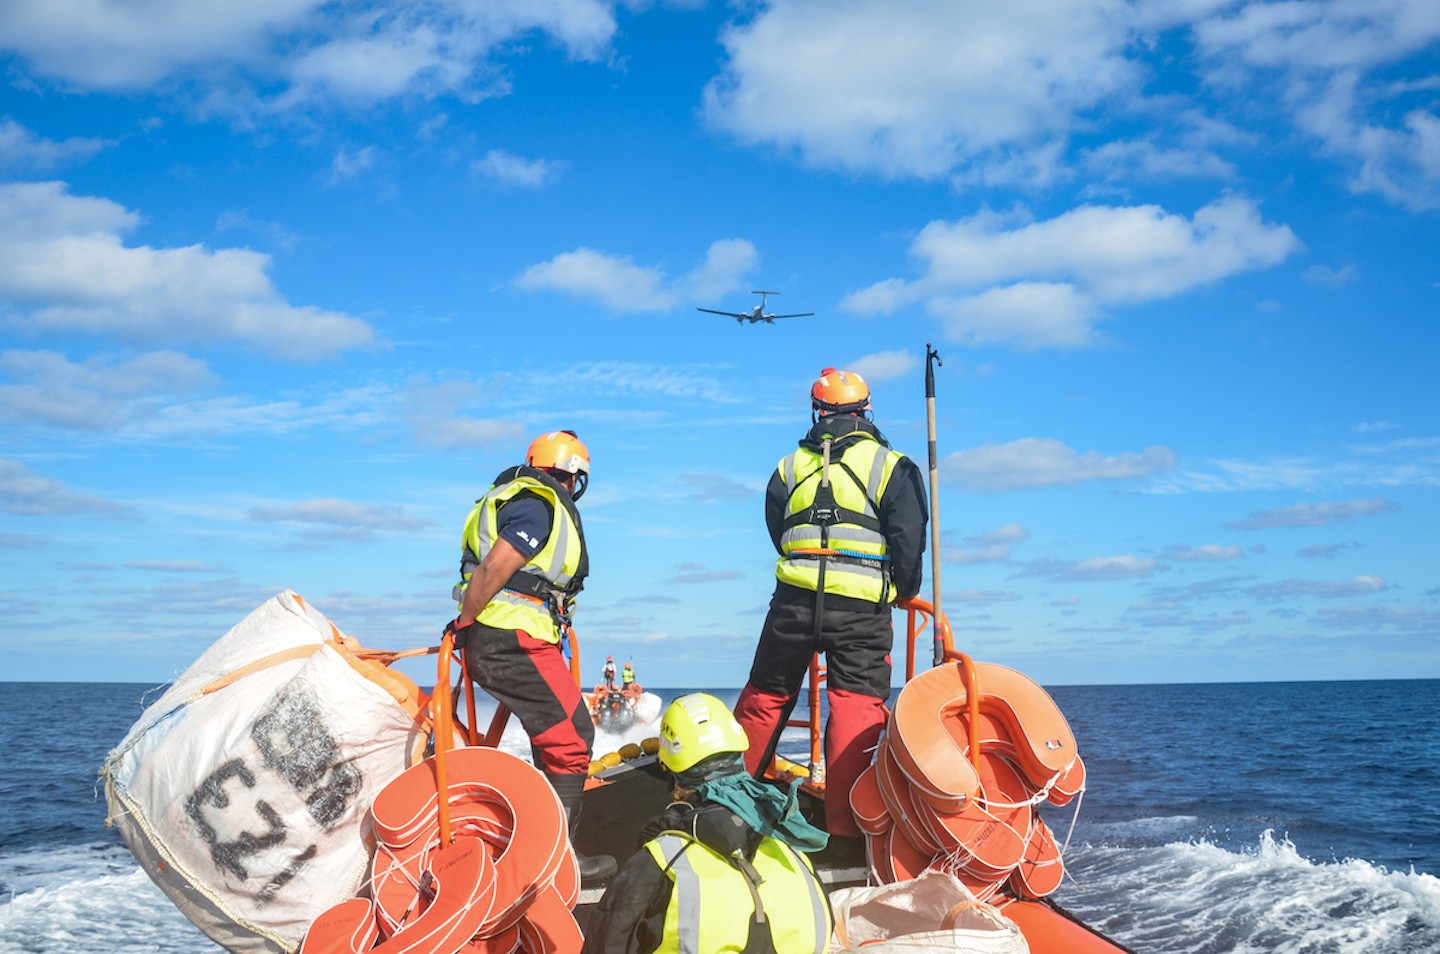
(541, 591)
(712, 901)
(627, 675)
(843, 526)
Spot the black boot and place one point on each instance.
(594, 869)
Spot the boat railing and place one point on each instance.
(919, 617)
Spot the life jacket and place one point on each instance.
(627, 675)
(538, 598)
(773, 904)
(837, 525)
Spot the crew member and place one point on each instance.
(609, 672)
(847, 515)
(723, 868)
(627, 675)
(522, 563)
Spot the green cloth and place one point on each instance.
(765, 808)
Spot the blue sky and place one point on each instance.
(284, 284)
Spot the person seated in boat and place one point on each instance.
(609, 672)
(522, 563)
(724, 868)
(847, 515)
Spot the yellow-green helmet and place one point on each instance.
(696, 727)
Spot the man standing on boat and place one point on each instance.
(522, 563)
(609, 672)
(847, 515)
(724, 867)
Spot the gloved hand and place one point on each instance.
(458, 632)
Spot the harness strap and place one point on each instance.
(841, 555)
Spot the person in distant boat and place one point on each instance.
(627, 675)
(847, 515)
(522, 563)
(724, 867)
(609, 672)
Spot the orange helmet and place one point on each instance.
(840, 392)
(561, 451)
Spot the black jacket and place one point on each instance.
(630, 918)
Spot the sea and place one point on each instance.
(1246, 818)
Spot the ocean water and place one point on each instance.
(1261, 817)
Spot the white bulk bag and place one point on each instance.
(244, 790)
(933, 912)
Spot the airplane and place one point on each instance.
(757, 314)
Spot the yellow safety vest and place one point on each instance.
(712, 901)
(541, 589)
(856, 563)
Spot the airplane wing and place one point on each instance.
(800, 314)
(727, 314)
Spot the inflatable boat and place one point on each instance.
(292, 792)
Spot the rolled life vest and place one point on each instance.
(539, 595)
(710, 895)
(841, 522)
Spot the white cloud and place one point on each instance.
(23, 491)
(1367, 620)
(993, 546)
(350, 163)
(465, 432)
(1207, 553)
(115, 44)
(341, 513)
(1099, 569)
(309, 49)
(1330, 277)
(885, 365)
(64, 264)
(1046, 462)
(1326, 589)
(923, 89)
(1320, 35)
(1138, 160)
(20, 148)
(997, 279)
(1313, 515)
(101, 393)
(1026, 315)
(1325, 59)
(508, 169)
(625, 288)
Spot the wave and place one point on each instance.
(88, 898)
(1180, 898)
(1198, 898)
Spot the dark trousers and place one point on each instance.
(855, 639)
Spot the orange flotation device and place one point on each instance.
(506, 881)
(928, 801)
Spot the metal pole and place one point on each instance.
(932, 358)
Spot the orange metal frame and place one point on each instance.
(920, 616)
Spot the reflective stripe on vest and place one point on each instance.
(861, 571)
(711, 903)
(550, 570)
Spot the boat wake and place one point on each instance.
(1178, 898)
(1197, 897)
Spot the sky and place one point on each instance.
(284, 284)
